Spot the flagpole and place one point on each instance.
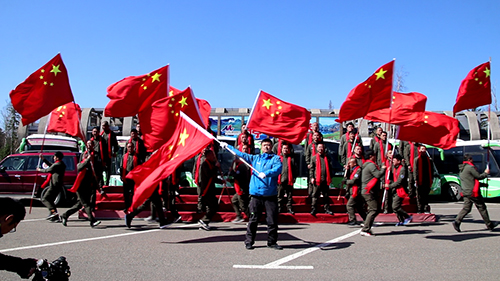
(253, 107)
(38, 165)
(388, 136)
(242, 160)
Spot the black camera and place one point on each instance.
(57, 270)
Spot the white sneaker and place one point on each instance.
(203, 225)
(367, 233)
(237, 220)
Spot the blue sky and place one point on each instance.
(305, 52)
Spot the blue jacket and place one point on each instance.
(269, 164)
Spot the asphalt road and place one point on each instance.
(311, 251)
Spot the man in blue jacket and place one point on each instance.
(263, 192)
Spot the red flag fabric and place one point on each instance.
(188, 140)
(278, 118)
(44, 90)
(371, 95)
(159, 120)
(205, 109)
(406, 109)
(134, 94)
(475, 89)
(66, 119)
(435, 129)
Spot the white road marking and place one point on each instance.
(278, 264)
(77, 241)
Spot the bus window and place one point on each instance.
(479, 161)
(494, 160)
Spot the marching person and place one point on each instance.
(469, 176)
(422, 172)
(358, 155)
(109, 151)
(99, 145)
(309, 136)
(85, 185)
(140, 148)
(56, 183)
(263, 192)
(241, 174)
(11, 213)
(410, 151)
(353, 182)
(207, 200)
(376, 137)
(129, 162)
(321, 177)
(388, 192)
(370, 176)
(249, 138)
(287, 178)
(349, 146)
(397, 185)
(379, 148)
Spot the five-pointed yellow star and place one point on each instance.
(487, 72)
(183, 101)
(55, 69)
(183, 137)
(380, 74)
(267, 103)
(156, 77)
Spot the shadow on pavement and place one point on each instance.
(404, 232)
(462, 237)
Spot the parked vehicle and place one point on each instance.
(18, 173)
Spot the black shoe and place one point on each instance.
(291, 212)
(313, 212)
(128, 220)
(249, 246)
(203, 225)
(52, 216)
(275, 246)
(55, 218)
(492, 225)
(64, 221)
(329, 212)
(352, 223)
(456, 226)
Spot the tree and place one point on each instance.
(10, 123)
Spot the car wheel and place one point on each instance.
(454, 191)
(57, 201)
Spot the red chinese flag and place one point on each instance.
(205, 109)
(159, 120)
(188, 139)
(134, 94)
(475, 89)
(44, 90)
(371, 95)
(278, 118)
(66, 119)
(435, 129)
(406, 109)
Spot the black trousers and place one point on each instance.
(50, 196)
(285, 191)
(128, 192)
(396, 206)
(240, 204)
(356, 204)
(256, 206)
(85, 196)
(422, 193)
(155, 200)
(323, 189)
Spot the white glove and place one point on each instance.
(223, 144)
(262, 175)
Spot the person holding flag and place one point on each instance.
(263, 190)
(85, 185)
(56, 183)
(370, 176)
(469, 177)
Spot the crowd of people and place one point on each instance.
(376, 180)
